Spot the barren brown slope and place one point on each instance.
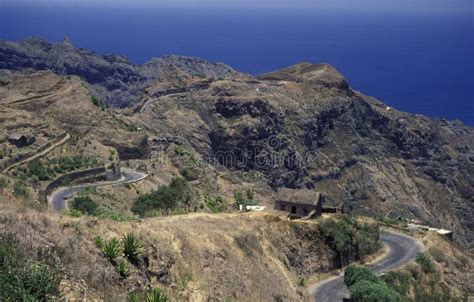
(48, 103)
(196, 257)
(49, 109)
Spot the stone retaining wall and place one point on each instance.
(22, 156)
(80, 175)
(73, 176)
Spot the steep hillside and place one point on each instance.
(299, 127)
(197, 257)
(112, 77)
(303, 127)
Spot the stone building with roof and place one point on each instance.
(20, 140)
(299, 202)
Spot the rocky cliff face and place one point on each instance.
(299, 127)
(113, 78)
(304, 127)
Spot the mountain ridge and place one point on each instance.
(300, 127)
(114, 78)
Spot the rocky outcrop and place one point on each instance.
(323, 75)
(113, 78)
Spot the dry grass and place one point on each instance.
(455, 267)
(195, 257)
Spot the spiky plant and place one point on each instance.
(132, 297)
(301, 281)
(131, 246)
(98, 241)
(122, 268)
(156, 295)
(111, 249)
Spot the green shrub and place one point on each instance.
(339, 236)
(132, 297)
(84, 204)
(215, 205)
(301, 281)
(70, 163)
(25, 277)
(131, 246)
(354, 274)
(366, 239)
(111, 249)
(349, 239)
(104, 213)
(244, 199)
(125, 125)
(37, 169)
(249, 194)
(189, 174)
(367, 291)
(89, 191)
(239, 198)
(390, 221)
(96, 102)
(177, 194)
(19, 189)
(122, 268)
(98, 241)
(424, 262)
(179, 150)
(399, 281)
(72, 212)
(156, 295)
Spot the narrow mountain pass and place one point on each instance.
(401, 250)
(58, 199)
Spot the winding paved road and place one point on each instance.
(58, 198)
(401, 249)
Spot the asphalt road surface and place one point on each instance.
(401, 249)
(58, 199)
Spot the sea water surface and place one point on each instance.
(420, 61)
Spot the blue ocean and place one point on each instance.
(417, 61)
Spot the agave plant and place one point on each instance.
(98, 241)
(122, 268)
(132, 297)
(156, 295)
(111, 249)
(301, 281)
(131, 246)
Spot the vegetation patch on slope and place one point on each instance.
(421, 281)
(27, 275)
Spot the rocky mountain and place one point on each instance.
(304, 127)
(113, 78)
(299, 127)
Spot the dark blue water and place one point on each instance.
(420, 62)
